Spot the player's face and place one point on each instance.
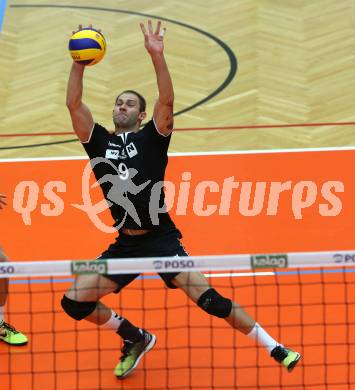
(126, 113)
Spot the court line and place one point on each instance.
(262, 151)
(35, 159)
(232, 127)
(214, 275)
(233, 62)
(187, 154)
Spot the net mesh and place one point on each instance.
(310, 309)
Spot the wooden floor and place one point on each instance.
(295, 65)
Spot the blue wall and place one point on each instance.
(2, 12)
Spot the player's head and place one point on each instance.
(129, 110)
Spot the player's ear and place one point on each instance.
(142, 116)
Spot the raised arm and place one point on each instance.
(163, 110)
(80, 114)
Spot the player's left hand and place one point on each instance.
(2, 201)
(153, 41)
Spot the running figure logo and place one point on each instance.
(121, 186)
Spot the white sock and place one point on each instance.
(263, 338)
(114, 322)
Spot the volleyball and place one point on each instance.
(87, 46)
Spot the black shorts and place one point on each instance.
(154, 243)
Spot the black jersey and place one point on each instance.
(130, 168)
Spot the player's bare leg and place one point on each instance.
(82, 301)
(197, 287)
(8, 333)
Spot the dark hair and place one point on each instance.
(142, 102)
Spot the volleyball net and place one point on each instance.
(304, 300)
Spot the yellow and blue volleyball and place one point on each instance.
(87, 46)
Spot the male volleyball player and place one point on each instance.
(8, 333)
(143, 151)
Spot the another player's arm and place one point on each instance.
(2, 201)
(2, 254)
(163, 110)
(81, 116)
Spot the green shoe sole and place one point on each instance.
(147, 348)
(14, 337)
(292, 365)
